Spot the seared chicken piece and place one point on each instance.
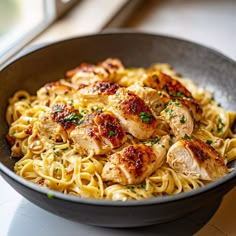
(88, 73)
(133, 113)
(161, 81)
(179, 119)
(194, 108)
(100, 132)
(165, 84)
(98, 91)
(47, 127)
(196, 159)
(66, 116)
(135, 163)
(50, 90)
(152, 98)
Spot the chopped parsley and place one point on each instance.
(176, 95)
(159, 92)
(170, 142)
(186, 137)
(57, 109)
(73, 118)
(57, 170)
(145, 85)
(155, 140)
(176, 102)
(143, 186)
(111, 133)
(145, 117)
(57, 154)
(70, 117)
(209, 142)
(220, 125)
(158, 105)
(131, 188)
(169, 112)
(70, 102)
(64, 149)
(97, 109)
(156, 77)
(50, 195)
(182, 119)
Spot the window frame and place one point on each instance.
(52, 9)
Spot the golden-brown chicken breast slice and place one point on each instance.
(194, 108)
(66, 116)
(179, 118)
(151, 97)
(98, 91)
(50, 90)
(161, 81)
(134, 115)
(88, 73)
(196, 159)
(134, 163)
(99, 132)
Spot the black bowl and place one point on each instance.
(208, 68)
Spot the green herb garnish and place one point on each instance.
(169, 112)
(73, 118)
(182, 120)
(112, 133)
(209, 142)
(158, 105)
(57, 154)
(156, 77)
(176, 95)
(145, 117)
(220, 125)
(186, 137)
(50, 195)
(131, 188)
(155, 140)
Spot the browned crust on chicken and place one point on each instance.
(134, 115)
(100, 88)
(53, 89)
(179, 118)
(193, 106)
(161, 81)
(197, 159)
(110, 128)
(176, 91)
(100, 132)
(129, 166)
(66, 116)
(104, 68)
(203, 151)
(136, 158)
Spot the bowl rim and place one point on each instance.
(103, 202)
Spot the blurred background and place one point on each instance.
(210, 22)
(29, 23)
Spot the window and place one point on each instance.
(22, 20)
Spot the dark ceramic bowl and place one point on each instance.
(205, 66)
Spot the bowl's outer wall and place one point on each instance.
(122, 216)
(207, 68)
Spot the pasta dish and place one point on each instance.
(110, 132)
